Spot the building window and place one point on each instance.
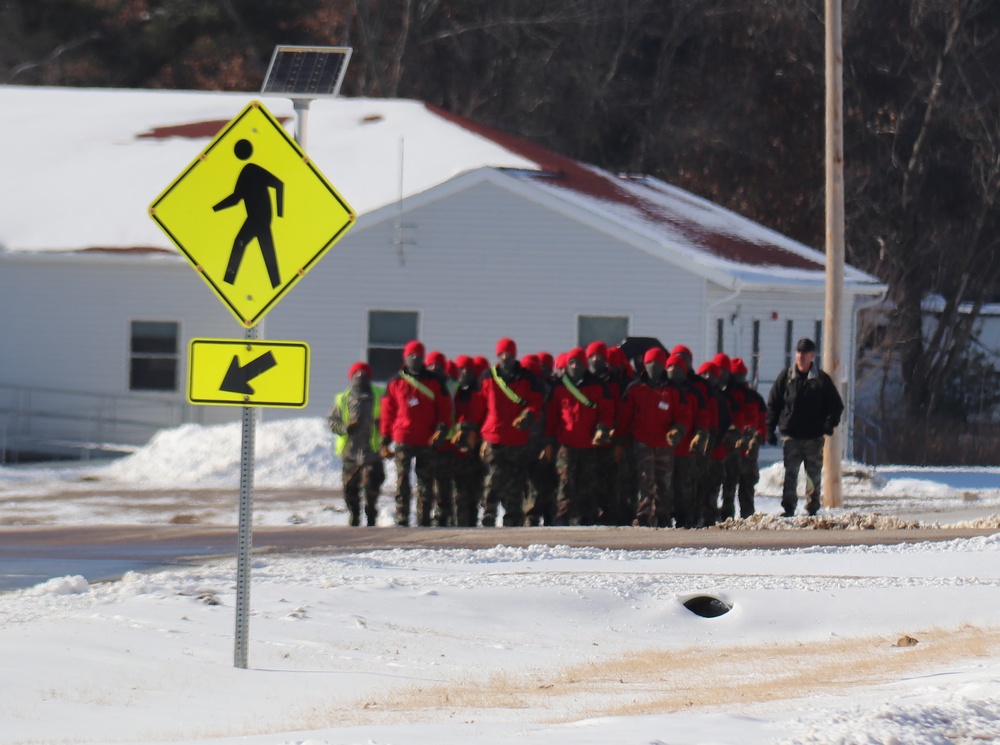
(612, 330)
(388, 332)
(153, 356)
(720, 334)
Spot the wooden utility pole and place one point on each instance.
(833, 448)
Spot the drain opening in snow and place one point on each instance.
(706, 606)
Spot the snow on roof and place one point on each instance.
(83, 165)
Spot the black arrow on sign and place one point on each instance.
(238, 378)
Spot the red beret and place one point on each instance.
(452, 370)
(597, 347)
(737, 366)
(616, 357)
(721, 361)
(436, 358)
(464, 360)
(655, 355)
(561, 359)
(709, 367)
(546, 359)
(681, 349)
(678, 360)
(359, 366)
(576, 353)
(413, 347)
(532, 362)
(508, 346)
(482, 364)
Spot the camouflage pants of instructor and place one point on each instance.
(506, 484)
(797, 453)
(421, 457)
(579, 486)
(362, 476)
(655, 473)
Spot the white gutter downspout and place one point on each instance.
(708, 308)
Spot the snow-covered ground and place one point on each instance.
(895, 644)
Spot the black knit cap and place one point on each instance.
(805, 345)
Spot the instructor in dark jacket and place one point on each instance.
(804, 405)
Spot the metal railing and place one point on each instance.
(867, 440)
(39, 421)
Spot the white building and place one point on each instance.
(464, 235)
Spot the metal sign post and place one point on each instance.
(245, 539)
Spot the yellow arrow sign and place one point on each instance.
(231, 372)
(252, 214)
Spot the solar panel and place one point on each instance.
(306, 72)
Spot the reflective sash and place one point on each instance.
(506, 388)
(577, 393)
(417, 384)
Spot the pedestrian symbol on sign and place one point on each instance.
(253, 189)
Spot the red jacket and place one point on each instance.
(650, 411)
(501, 411)
(697, 392)
(571, 422)
(409, 416)
(753, 409)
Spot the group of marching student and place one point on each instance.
(581, 439)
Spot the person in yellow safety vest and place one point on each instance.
(355, 419)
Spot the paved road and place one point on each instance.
(33, 554)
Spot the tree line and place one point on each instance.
(720, 97)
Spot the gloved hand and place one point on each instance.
(352, 426)
(440, 435)
(548, 453)
(752, 445)
(484, 450)
(602, 435)
(524, 419)
(385, 450)
(700, 442)
(731, 438)
(772, 437)
(828, 426)
(675, 435)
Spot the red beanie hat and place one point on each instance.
(721, 361)
(681, 349)
(464, 360)
(359, 366)
(597, 347)
(576, 353)
(413, 347)
(678, 360)
(452, 370)
(561, 360)
(655, 355)
(709, 367)
(482, 364)
(532, 362)
(737, 366)
(508, 346)
(547, 361)
(616, 357)
(436, 358)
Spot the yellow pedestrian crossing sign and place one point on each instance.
(231, 372)
(252, 213)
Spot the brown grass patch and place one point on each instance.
(668, 680)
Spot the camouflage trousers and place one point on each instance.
(543, 485)
(422, 459)
(506, 483)
(580, 487)
(798, 452)
(749, 476)
(469, 473)
(687, 512)
(362, 476)
(654, 471)
(441, 510)
(605, 475)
